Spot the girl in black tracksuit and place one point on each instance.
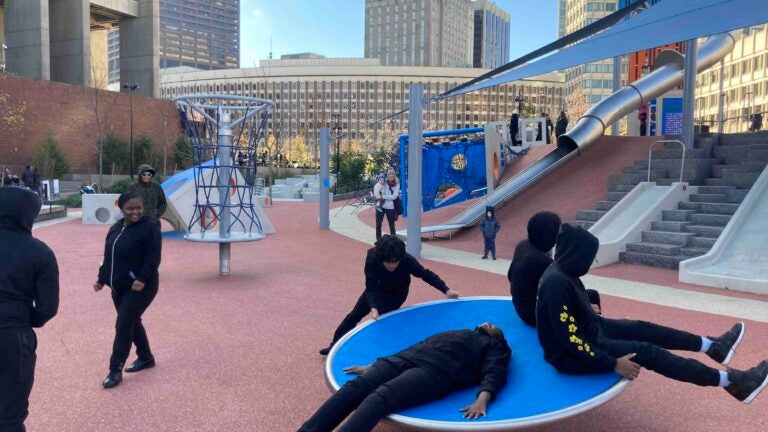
(130, 268)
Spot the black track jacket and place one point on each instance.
(131, 253)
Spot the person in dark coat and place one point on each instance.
(757, 122)
(530, 260)
(427, 371)
(561, 125)
(643, 118)
(151, 194)
(35, 186)
(27, 177)
(388, 271)
(489, 226)
(576, 340)
(29, 298)
(514, 128)
(130, 268)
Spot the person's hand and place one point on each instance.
(597, 309)
(375, 313)
(478, 407)
(97, 287)
(627, 368)
(137, 286)
(356, 370)
(451, 294)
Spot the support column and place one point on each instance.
(70, 30)
(415, 131)
(26, 34)
(616, 87)
(720, 96)
(140, 47)
(325, 184)
(689, 91)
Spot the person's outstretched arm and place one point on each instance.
(430, 277)
(494, 377)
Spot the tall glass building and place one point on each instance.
(491, 36)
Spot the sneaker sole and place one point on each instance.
(732, 351)
(757, 391)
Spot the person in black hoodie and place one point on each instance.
(530, 260)
(578, 341)
(489, 226)
(29, 297)
(388, 271)
(130, 268)
(427, 371)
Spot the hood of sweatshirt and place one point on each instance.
(543, 228)
(145, 168)
(18, 208)
(576, 250)
(491, 210)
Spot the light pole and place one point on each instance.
(132, 88)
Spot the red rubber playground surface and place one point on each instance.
(239, 353)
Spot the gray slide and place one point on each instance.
(590, 127)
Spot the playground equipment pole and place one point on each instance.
(617, 87)
(689, 91)
(325, 222)
(415, 130)
(225, 173)
(720, 95)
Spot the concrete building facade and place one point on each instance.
(62, 40)
(434, 33)
(355, 94)
(490, 47)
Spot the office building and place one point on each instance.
(490, 47)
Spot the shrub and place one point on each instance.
(49, 159)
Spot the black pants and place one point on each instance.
(390, 213)
(362, 309)
(17, 374)
(389, 385)
(650, 342)
(130, 306)
(490, 246)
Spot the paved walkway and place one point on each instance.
(346, 223)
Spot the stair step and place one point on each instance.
(735, 154)
(678, 154)
(615, 196)
(589, 215)
(716, 208)
(621, 188)
(605, 205)
(743, 138)
(753, 166)
(666, 237)
(669, 226)
(701, 242)
(655, 174)
(632, 179)
(662, 261)
(704, 230)
(741, 179)
(717, 171)
(676, 215)
(709, 219)
(757, 156)
(693, 252)
(654, 248)
(708, 198)
(583, 224)
(716, 189)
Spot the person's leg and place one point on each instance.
(359, 311)
(143, 352)
(413, 387)
(130, 308)
(390, 220)
(379, 220)
(485, 247)
(492, 247)
(349, 396)
(642, 331)
(17, 374)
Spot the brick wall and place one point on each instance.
(67, 113)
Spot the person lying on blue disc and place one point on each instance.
(576, 340)
(425, 372)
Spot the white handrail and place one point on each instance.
(650, 155)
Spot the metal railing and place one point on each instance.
(650, 156)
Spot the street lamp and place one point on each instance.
(132, 88)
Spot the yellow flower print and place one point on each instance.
(591, 354)
(572, 328)
(572, 319)
(574, 339)
(586, 347)
(565, 307)
(563, 317)
(581, 348)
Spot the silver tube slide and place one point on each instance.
(590, 127)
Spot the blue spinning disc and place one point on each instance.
(535, 392)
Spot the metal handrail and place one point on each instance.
(650, 156)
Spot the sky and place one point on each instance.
(334, 28)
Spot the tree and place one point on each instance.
(182, 153)
(49, 159)
(529, 110)
(577, 105)
(299, 151)
(117, 155)
(144, 153)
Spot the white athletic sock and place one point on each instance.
(705, 344)
(724, 381)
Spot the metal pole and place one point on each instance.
(617, 87)
(689, 91)
(224, 175)
(415, 131)
(325, 184)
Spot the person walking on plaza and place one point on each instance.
(576, 340)
(386, 192)
(29, 298)
(489, 226)
(427, 371)
(151, 193)
(130, 268)
(561, 125)
(514, 128)
(388, 271)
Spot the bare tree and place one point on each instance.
(577, 104)
(12, 118)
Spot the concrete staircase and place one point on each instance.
(735, 163)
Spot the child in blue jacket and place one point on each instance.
(489, 226)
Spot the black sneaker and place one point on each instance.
(484, 257)
(326, 350)
(746, 385)
(723, 347)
